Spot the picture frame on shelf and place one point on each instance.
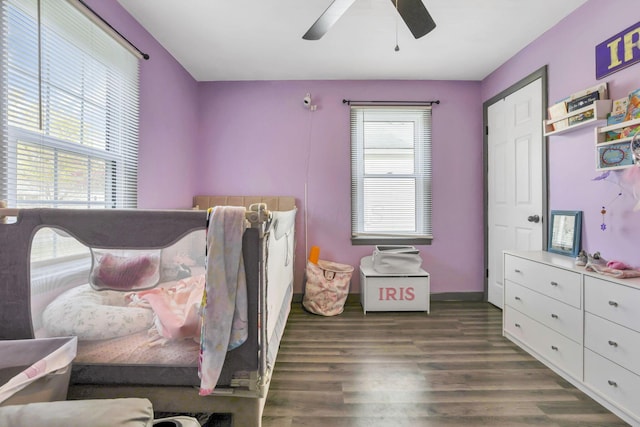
(616, 155)
(565, 232)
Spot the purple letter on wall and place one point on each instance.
(618, 52)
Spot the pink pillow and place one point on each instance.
(124, 273)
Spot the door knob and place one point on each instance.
(533, 218)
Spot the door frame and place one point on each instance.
(540, 73)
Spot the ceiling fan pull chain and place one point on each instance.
(397, 48)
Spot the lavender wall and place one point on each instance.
(257, 138)
(168, 117)
(568, 49)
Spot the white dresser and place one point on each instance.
(583, 325)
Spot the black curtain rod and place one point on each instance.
(142, 54)
(349, 101)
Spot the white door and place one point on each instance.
(514, 179)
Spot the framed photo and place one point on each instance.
(565, 229)
(615, 155)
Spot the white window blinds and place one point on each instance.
(69, 116)
(70, 110)
(391, 173)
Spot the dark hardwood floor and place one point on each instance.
(449, 368)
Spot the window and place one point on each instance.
(391, 175)
(69, 114)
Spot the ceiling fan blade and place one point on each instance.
(416, 16)
(327, 19)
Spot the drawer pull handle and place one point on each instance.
(517, 325)
(613, 343)
(553, 347)
(555, 316)
(612, 383)
(518, 299)
(613, 303)
(517, 271)
(554, 283)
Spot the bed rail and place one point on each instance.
(96, 228)
(256, 214)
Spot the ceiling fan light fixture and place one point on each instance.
(413, 13)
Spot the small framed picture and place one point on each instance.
(565, 229)
(616, 155)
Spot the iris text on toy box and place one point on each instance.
(396, 294)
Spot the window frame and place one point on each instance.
(104, 149)
(18, 136)
(421, 175)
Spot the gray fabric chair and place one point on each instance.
(125, 412)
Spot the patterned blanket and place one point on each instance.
(224, 303)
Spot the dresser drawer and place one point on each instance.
(557, 315)
(557, 349)
(617, 343)
(613, 382)
(560, 284)
(617, 303)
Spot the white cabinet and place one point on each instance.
(545, 342)
(583, 325)
(545, 301)
(612, 341)
(556, 315)
(554, 282)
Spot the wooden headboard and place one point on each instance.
(274, 203)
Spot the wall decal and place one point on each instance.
(618, 52)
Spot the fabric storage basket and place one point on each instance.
(327, 287)
(396, 259)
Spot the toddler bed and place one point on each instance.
(120, 352)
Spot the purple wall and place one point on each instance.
(569, 51)
(168, 117)
(257, 138)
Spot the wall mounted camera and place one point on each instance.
(306, 101)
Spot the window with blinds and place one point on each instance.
(391, 175)
(69, 113)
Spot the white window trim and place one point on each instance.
(118, 155)
(35, 139)
(360, 237)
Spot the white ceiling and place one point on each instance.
(218, 40)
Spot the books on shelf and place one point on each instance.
(601, 89)
(556, 111)
(581, 117)
(633, 105)
(560, 113)
(619, 106)
(583, 101)
(633, 112)
(617, 115)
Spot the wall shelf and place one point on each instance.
(599, 108)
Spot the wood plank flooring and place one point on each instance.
(449, 368)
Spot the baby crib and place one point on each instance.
(170, 378)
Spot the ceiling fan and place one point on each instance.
(413, 13)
